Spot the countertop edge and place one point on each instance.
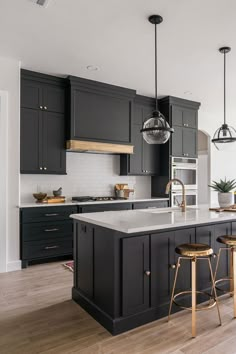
(69, 203)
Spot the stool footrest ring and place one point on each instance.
(222, 290)
(204, 307)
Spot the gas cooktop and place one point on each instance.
(95, 199)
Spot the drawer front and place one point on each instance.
(146, 205)
(38, 249)
(104, 207)
(37, 214)
(46, 230)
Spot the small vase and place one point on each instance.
(225, 199)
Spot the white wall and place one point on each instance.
(87, 174)
(222, 163)
(10, 82)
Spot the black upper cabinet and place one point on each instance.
(43, 109)
(184, 142)
(54, 142)
(183, 117)
(99, 112)
(146, 157)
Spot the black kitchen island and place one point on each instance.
(125, 261)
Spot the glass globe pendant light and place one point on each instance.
(156, 129)
(225, 134)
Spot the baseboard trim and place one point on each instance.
(12, 266)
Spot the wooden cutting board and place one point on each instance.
(232, 210)
(55, 200)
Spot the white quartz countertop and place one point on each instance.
(142, 220)
(34, 204)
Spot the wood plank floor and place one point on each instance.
(37, 315)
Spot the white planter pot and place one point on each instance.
(225, 199)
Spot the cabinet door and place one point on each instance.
(190, 118)
(54, 153)
(162, 257)
(135, 283)
(83, 255)
(223, 268)
(184, 276)
(31, 141)
(204, 234)
(177, 141)
(189, 137)
(151, 158)
(101, 117)
(31, 94)
(177, 116)
(135, 159)
(54, 99)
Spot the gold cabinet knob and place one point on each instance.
(173, 266)
(40, 168)
(214, 255)
(45, 168)
(147, 273)
(41, 107)
(45, 107)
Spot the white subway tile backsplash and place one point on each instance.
(87, 174)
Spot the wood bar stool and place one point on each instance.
(194, 252)
(230, 242)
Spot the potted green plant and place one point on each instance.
(224, 189)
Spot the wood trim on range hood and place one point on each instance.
(96, 147)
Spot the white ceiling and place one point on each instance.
(115, 35)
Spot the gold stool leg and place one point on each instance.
(173, 289)
(214, 289)
(234, 278)
(194, 295)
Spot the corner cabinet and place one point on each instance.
(99, 112)
(183, 116)
(146, 157)
(42, 127)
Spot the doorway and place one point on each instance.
(204, 176)
(3, 179)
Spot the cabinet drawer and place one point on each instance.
(146, 205)
(37, 214)
(104, 207)
(38, 249)
(46, 230)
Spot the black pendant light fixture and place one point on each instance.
(156, 129)
(225, 134)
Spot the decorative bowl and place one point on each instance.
(40, 196)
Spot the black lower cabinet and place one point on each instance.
(45, 233)
(125, 280)
(208, 235)
(84, 253)
(135, 275)
(204, 234)
(104, 207)
(163, 266)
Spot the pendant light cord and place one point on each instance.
(156, 67)
(224, 87)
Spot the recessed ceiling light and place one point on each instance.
(187, 92)
(92, 68)
(43, 3)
